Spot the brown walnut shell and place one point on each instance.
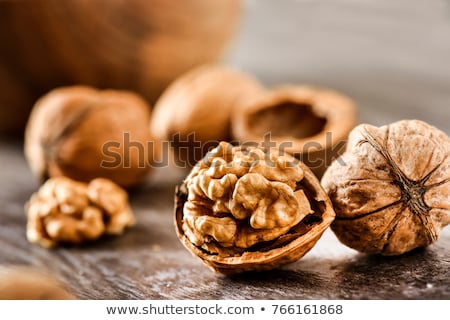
(82, 133)
(391, 187)
(249, 209)
(137, 45)
(25, 283)
(309, 122)
(194, 111)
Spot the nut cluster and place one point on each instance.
(68, 211)
(241, 208)
(244, 203)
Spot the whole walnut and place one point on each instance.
(391, 187)
(26, 283)
(84, 133)
(194, 112)
(248, 209)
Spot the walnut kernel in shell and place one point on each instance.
(391, 187)
(245, 208)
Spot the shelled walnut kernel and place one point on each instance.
(243, 209)
(68, 211)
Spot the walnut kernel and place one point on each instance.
(391, 188)
(245, 208)
(68, 211)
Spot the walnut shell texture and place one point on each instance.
(137, 45)
(314, 121)
(249, 209)
(69, 129)
(198, 106)
(391, 187)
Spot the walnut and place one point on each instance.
(84, 133)
(25, 283)
(314, 121)
(246, 208)
(68, 211)
(194, 111)
(391, 188)
(141, 45)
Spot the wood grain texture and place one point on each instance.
(391, 56)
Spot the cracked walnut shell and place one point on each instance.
(311, 122)
(248, 209)
(391, 188)
(68, 211)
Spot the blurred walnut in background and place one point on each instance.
(311, 123)
(24, 283)
(195, 111)
(138, 45)
(84, 133)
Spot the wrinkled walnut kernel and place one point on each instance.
(244, 201)
(392, 195)
(68, 211)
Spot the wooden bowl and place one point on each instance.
(139, 45)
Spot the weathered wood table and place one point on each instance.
(392, 57)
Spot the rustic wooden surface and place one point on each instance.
(392, 57)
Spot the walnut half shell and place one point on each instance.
(249, 209)
(312, 123)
